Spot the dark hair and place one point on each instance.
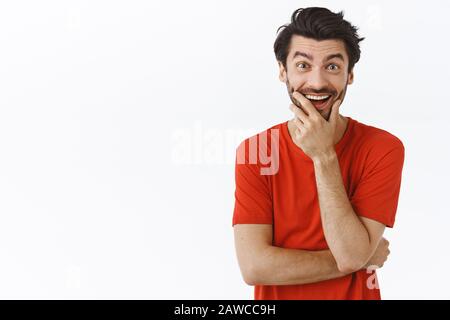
(319, 24)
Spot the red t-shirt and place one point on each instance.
(371, 162)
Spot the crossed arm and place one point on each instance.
(352, 240)
(262, 263)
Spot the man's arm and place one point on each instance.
(351, 239)
(261, 263)
(264, 264)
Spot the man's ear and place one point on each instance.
(350, 77)
(282, 74)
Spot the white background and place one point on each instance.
(118, 126)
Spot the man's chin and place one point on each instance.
(325, 113)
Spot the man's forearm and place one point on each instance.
(347, 237)
(281, 266)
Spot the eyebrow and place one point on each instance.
(334, 55)
(308, 56)
(302, 54)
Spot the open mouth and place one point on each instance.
(319, 101)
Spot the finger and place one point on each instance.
(299, 124)
(306, 104)
(298, 133)
(299, 113)
(334, 116)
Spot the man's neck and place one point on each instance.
(341, 127)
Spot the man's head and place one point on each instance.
(316, 54)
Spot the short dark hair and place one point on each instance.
(319, 24)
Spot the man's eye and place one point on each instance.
(333, 67)
(301, 65)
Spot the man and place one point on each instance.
(313, 228)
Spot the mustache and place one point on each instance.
(313, 91)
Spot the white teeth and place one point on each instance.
(316, 97)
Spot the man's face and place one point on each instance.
(317, 69)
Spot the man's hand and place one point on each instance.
(313, 134)
(380, 256)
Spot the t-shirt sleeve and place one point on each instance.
(376, 195)
(253, 200)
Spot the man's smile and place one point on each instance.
(311, 97)
(320, 101)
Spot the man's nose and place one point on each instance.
(316, 79)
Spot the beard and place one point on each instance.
(334, 95)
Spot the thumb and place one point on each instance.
(335, 112)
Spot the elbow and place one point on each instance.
(249, 280)
(353, 261)
(350, 265)
(348, 268)
(252, 276)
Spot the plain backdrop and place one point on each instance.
(119, 122)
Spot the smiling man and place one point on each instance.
(314, 228)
